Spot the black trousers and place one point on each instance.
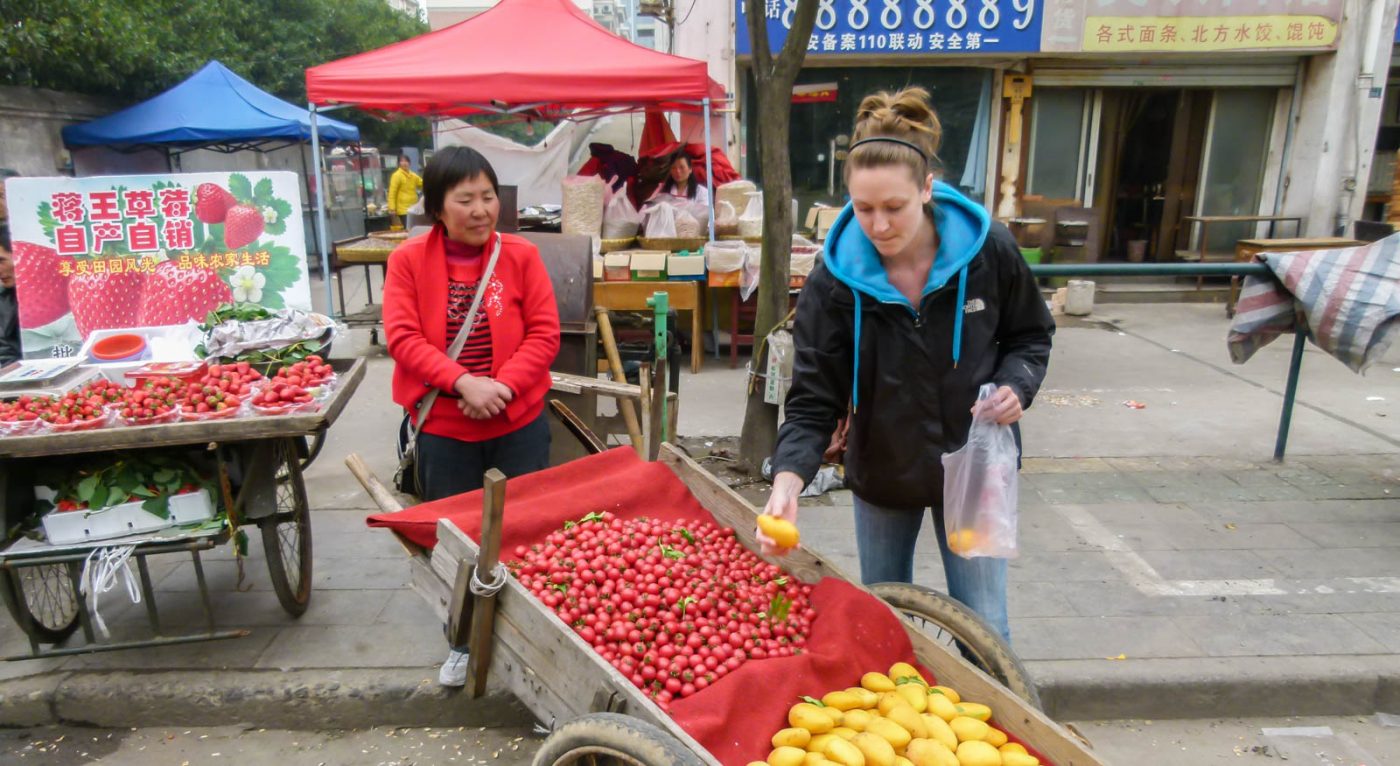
(449, 467)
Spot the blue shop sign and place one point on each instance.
(903, 27)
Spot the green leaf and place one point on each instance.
(46, 220)
(778, 608)
(262, 193)
(812, 701)
(903, 680)
(160, 506)
(283, 208)
(570, 525)
(163, 476)
(275, 228)
(592, 517)
(86, 487)
(100, 496)
(240, 542)
(141, 492)
(240, 187)
(687, 535)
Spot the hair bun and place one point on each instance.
(905, 114)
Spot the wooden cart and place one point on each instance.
(596, 715)
(259, 464)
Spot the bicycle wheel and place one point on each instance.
(286, 534)
(313, 448)
(48, 600)
(612, 739)
(947, 621)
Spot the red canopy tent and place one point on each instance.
(544, 57)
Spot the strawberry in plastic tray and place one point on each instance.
(278, 397)
(152, 401)
(208, 400)
(16, 420)
(83, 410)
(313, 374)
(185, 371)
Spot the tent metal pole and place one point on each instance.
(321, 212)
(709, 169)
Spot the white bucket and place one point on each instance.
(1079, 297)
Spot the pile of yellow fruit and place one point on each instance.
(893, 719)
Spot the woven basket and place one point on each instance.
(672, 244)
(621, 243)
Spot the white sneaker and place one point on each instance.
(454, 669)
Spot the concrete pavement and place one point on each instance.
(1169, 568)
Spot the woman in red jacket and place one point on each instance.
(489, 411)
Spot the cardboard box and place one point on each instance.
(826, 217)
(649, 265)
(685, 267)
(597, 268)
(617, 267)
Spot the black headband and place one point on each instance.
(890, 140)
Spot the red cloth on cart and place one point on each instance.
(734, 718)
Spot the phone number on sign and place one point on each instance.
(897, 14)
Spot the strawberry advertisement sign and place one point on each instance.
(144, 251)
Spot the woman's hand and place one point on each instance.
(783, 504)
(481, 397)
(1004, 407)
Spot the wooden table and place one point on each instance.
(632, 296)
(1246, 249)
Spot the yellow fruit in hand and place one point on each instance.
(969, 729)
(842, 700)
(781, 531)
(915, 694)
(805, 715)
(877, 750)
(941, 706)
(905, 670)
(1013, 758)
(941, 732)
(946, 691)
(926, 752)
(792, 738)
(975, 710)
(978, 754)
(963, 540)
(877, 682)
(996, 737)
(787, 756)
(840, 751)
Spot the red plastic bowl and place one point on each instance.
(116, 348)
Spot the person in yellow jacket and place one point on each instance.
(404, 186)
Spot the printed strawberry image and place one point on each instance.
(45, 290)
(242, 225)
(105, 301)
(174, 295)
(212, 203)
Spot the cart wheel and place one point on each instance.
(49, 600)
(313, 448)
(947, 621)
(611, 739)
(286, 534)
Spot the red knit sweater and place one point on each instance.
(524, 333)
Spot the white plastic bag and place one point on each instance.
(726, 218)
(751, 221)
(687, 226)
(661, 221)
(620, 219)
(980, 490)
(748, 276)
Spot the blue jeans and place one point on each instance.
(885, 540)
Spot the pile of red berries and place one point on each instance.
(673, 607)
(153, 400)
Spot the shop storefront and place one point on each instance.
(1145, 113)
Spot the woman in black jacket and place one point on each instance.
(920, 300)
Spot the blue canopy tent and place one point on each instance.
(213, 109)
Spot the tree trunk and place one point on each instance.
(774, 80)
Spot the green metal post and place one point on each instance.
(661, 306)
(1290, 391)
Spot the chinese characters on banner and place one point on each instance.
(145, 251)
(903, 26)
(923, 27)
(1148, 26)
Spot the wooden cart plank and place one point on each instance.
(187, 433)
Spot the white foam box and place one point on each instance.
(689, 266)
(169, 343)
(617, 267)
(649, 265)
(598, 268)
(122, 520)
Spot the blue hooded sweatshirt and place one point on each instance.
(851, 257)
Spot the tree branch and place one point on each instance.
(757, 20)
(795, 46)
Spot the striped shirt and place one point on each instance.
(464, 264)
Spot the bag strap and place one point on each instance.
(425, 405)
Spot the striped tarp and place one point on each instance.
(1350, 298)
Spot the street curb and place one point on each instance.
(1089, 690)
(302, 699)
